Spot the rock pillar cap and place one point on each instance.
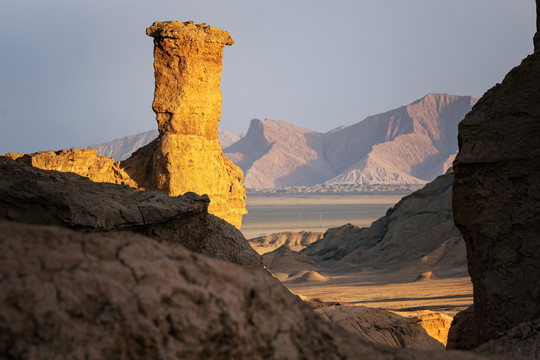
(189, 31)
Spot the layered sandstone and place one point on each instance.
(496, 200)
(187, 103)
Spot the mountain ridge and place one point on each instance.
(411, 144)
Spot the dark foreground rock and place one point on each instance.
(35, 196)
(496, 200)
(69, 295)
(462, 333)
(521, 342)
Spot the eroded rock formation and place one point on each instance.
(35, 196)
(496, 200)
(381, 326)
(84, 162)
(187, 156)
(418, 231)
(187, 101)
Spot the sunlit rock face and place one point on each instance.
(187, 103)
(187, 156)
(84, 162)
(496, 200)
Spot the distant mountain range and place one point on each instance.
(412, 144)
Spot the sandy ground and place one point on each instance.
(450, 291)
(398, 292)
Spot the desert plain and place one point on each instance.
(408, 291)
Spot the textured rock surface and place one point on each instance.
(36, 196)
(418, 231)
(285, 260)
(436, 324)
(380, 326)
(120, 295)
(496, 200)
(462, 333)
(520, 342)
(187, 103)
(293, 240)
(84, 162)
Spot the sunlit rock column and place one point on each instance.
(187, 101)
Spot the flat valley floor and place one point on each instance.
(273, 212)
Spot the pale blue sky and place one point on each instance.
(76, 72)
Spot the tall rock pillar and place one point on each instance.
(187, 102)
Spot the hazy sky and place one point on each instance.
(76, 72)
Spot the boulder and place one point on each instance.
(70, 295)
(462, 333)
(35, 196)
(380, 326)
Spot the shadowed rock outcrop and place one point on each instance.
(124, 296)
(462, 333)
(496, 200)
(417, 231)
(36, 196)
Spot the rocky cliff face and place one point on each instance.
(35, 196)
(187, 156)
(496, 200)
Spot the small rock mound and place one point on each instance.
(427, 275)
(285, 260)
(306, 276)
